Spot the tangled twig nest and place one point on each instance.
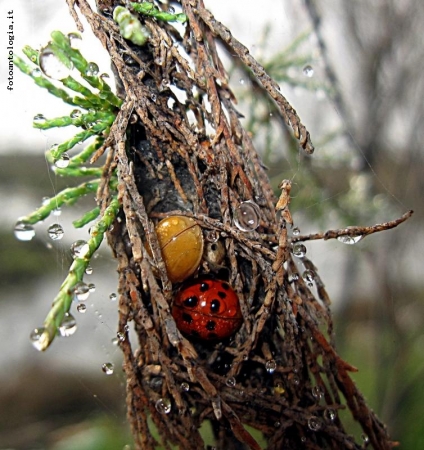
(186, 153)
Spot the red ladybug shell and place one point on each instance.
(207, 309)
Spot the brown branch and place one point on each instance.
(354, 231)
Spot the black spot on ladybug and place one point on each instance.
(212, 336)
(215, 304)
(187, 318)
(191, 302)
(221, 294)
(211, 325)
(204, 287)
(225, 286)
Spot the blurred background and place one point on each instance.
(353, 71)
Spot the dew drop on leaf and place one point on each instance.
(39, 119)
(23, 231)
(52, 66)
(68, 325)
(77, 248)
(92, 69)
(75, 113)
(75, 40)
(81, 291)
(63, 161)
(36, 338)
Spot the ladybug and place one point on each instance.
(181, 243)
(208, 309)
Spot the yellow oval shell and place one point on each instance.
(181, 243)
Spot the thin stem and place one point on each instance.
(62, 302)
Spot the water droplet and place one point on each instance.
(57, 211)
(52, 66)
(241, 81)
(299, 250)
(37, 338)
(293, 277)
(231, 382)
(92, 287)
(247, 216)
(113, 296)
(365, 438)
(45, 201)
(92, 69)
(82, 308)
(349, 240)
(55, 232)
(308, 71)
(317, 392)
(314, 423)
(75, 40)
(78, 248)
(330, 414)
(163, 405)
(81, 291)
(23, 231)
(75, 113)
(296, 381)
(171, 10)
(120, 336)
(133, 119)
(36, 73)
(308, 276)
(296, 231)
(68, 326)
(270, 366)
(107, 368)
(185, 386)
(103, 76)
(212, 236)
(115, 341)
(277, 424)
(127, 328)
(88, 270)
(39, 119)
(63, 161)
